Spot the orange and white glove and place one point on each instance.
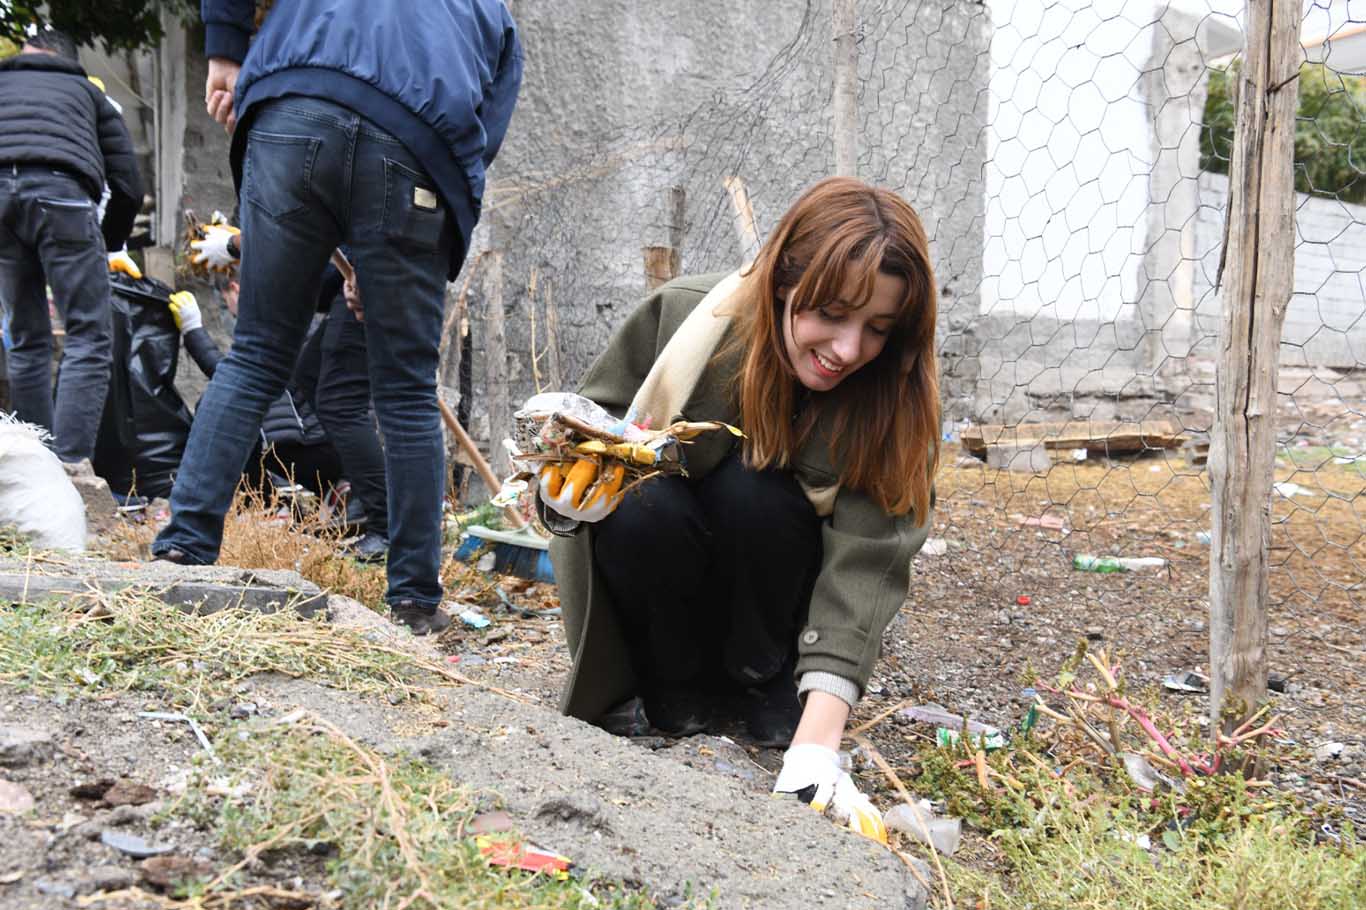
(212, 252)
(581, 490)
(122, 262)
(813, 775)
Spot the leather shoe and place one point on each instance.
(420, 618)
(369, 547)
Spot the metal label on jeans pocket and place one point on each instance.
(424, 198)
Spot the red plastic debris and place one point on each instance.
(1023, 600)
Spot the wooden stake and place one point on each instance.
(661, 265)
(552, 341)
(745, 227)
(845, 130)
(1257, 290)
(495, 364)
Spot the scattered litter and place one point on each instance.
(1048, 522)
(1095, 633)
(1288, 489)
(132, 845)
(1077, 454)
(474, 619)
(918, 822)
(243, 709)
(1085, 562)
(452, 658)
(1144, 775)
(935, 714)
(1278, 683)
(14, 799)
(168, 871)
(490, 822)
(1141, 841)
(527, 857)
(129, 793)
(92, 791)
(1190, 681)
(935, 546)
(1023, 600)
(945, 738)
(10, 878)
(1329, 751)
(194, 725)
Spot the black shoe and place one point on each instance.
(774, 711)
(626, 719)
(677, 711)
(370, 547)
(179, 557)
(421, 619)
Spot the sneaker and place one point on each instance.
(773, 711)
(369, 547)
(421, 619)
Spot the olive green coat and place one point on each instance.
(865, 565)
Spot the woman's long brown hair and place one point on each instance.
(838, 236)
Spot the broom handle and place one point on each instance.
(480, 465)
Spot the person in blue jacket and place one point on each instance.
(368, 123)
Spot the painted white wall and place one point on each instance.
(1069, 151)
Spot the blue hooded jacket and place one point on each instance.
(440, 75)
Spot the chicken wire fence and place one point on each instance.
(1070, 161)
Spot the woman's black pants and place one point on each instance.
(712, 578)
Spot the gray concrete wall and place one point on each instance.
(623, 99)
(1325, 325)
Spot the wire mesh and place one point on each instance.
(1070, 160)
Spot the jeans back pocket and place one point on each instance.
(413, 214)
(277, 174)
(70, 222)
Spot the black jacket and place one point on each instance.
(52, 115)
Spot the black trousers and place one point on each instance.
(343, 407)
(712, 578)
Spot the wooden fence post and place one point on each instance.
(496, 365)
(1257, 289)
(845, 129)
(664, 261)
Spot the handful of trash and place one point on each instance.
(577, 441)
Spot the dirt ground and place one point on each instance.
(1003, 602)
(1000, 601)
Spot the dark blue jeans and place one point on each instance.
(343, 406)
(316, 175)
(49, 235)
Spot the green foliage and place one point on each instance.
(117, 24)
(1330, 131)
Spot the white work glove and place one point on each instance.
(212, 252)
(580, 491)
(812, 774)
(185, 312)
(122, 262)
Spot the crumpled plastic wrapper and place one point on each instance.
(561, 427)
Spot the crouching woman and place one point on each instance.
(770, 571)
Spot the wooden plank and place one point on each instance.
(1114, 437)
(746, 229)
(845, 131)
(1260, 259)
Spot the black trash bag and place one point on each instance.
(145, 422)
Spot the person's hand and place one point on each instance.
(580, 490)
(812, 774)
(212, 252)
(353, 302)
(185, 312)
(219, 91)
(122, 262)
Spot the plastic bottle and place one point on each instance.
(1086, 563)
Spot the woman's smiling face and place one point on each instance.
(831, 341)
